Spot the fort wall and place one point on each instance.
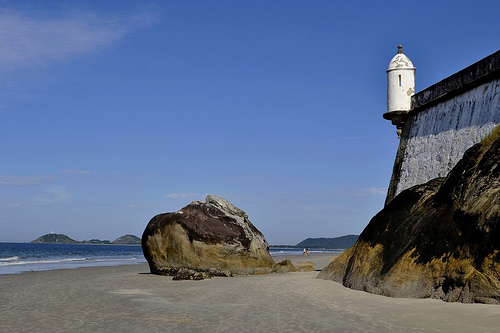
(445, 120)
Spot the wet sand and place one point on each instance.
(129, 299)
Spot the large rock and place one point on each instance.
(206, 236)
(438, 240)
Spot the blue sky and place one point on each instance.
(114, 111)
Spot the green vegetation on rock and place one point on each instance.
(490, 138)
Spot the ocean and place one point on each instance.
(25, 257)
(279, 251)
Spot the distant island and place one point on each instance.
(342, 242)
(53, 238)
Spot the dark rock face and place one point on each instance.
(206, 236)
(438, 240)
(192, 274)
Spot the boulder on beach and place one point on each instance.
(437, 240)
(211, 236)
(285, 266)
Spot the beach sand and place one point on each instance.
(129, 299)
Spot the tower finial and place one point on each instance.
(400, 49)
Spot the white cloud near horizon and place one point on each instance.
(52, 195)
(183, 195)
(372, 191)
(76, 172)
(362, 192)
(7, 180)
(322, 195)
(29, 40)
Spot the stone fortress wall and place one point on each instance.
(444, 121)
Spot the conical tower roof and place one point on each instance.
(400, 61)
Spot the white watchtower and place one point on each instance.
(400, 88)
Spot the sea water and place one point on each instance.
(279, 251)
(26, 257)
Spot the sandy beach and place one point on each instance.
(129, 299)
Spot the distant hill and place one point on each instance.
(63, 239)
(95, 241)
(127, 239)
(55, 239)
(342, 242)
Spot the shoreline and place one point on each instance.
(80, 260)
(317, 260)
(128, 298)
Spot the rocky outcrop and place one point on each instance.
(211, 236)
(55, 239)
(285, 266)
(438, 240)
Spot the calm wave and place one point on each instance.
(25, 257)
(278, 251)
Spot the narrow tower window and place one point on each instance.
(400, 80)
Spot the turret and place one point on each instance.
(400, 88)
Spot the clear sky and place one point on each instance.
(114, 111)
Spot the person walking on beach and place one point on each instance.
(304, 252)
